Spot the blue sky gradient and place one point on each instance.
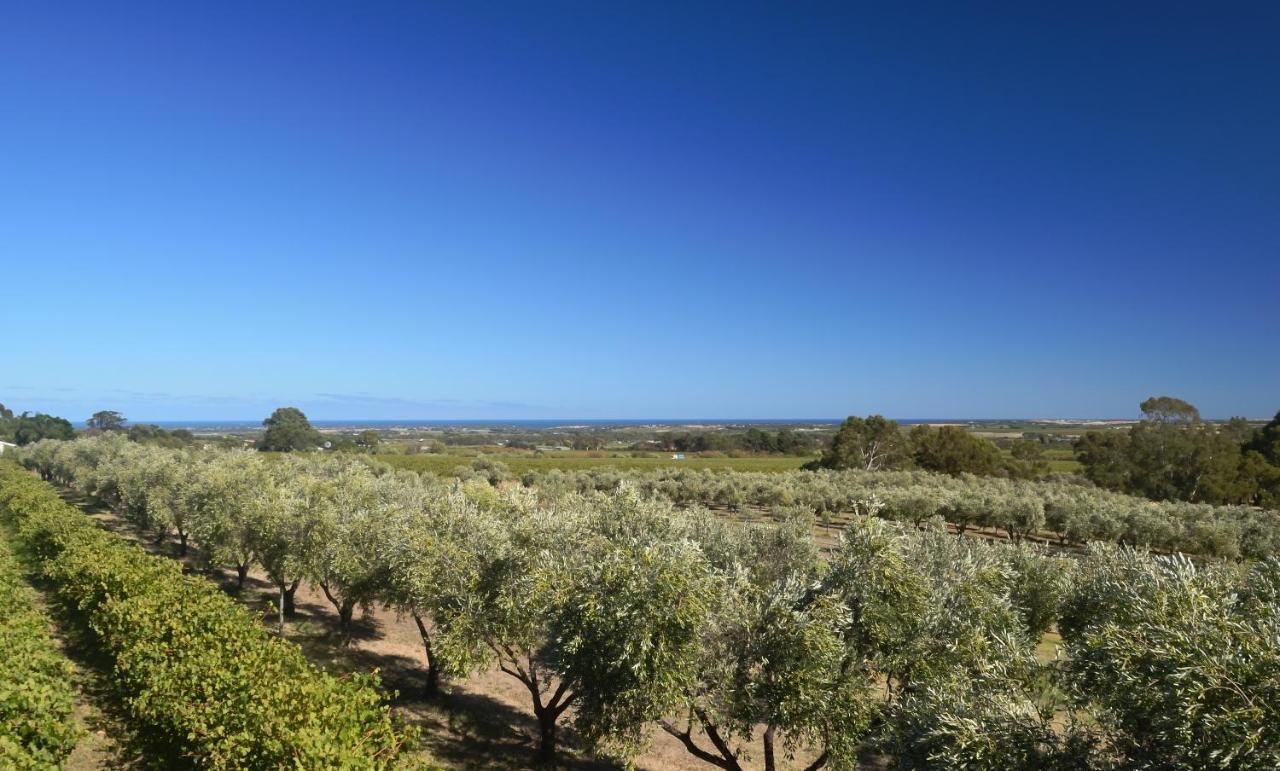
(498, 210)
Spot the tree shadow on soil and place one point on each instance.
(463, 729)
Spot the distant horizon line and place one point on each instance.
(621, 421)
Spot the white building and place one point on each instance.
(5, 446)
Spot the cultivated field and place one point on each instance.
(323, 610)
(444, 464)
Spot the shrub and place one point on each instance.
(195, 670)
(36, 727)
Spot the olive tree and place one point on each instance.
(236, 491)
(282, 530)
(624, 639)
(429, 549)
(344, 555)
(772, 655)
(991, 719)
(583, 607)
(1181, 663)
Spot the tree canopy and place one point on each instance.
(1172, 454)
(28, 429)
(105, 420)
(869, 444)
(620, 604)
(1168, 409)
(953, 450)
(1266, 442)
(368, 439)
(287, 430)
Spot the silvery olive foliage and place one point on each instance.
(1179, 661)
(626, 603)
(1066, 509)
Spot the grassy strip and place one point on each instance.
(196, 672)
(36, 700)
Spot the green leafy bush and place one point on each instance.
(36, 728)
(195, 670)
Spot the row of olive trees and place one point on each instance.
(1062, 509)
(627, 615)
(298, 519)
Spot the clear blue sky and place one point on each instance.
(475, 210)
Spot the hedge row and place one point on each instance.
(197, 673)
(36, 727)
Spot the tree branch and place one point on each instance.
(713, 734)
(686, 739)
(819, 762)
(555, 704)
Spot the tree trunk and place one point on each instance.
(241, 572)
(770, 764)
(728, 756)
(547, 736)
(433, 673)
(182, 544)
(345, 607)
(281, 606)
(289, 609)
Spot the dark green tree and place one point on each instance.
(1239, 430)
(149, 433)
(953, 450)
(1105, 458)
(105, 420)
(1259, 481)
(1266, 441)
(29, 428)
(368, 439)
(1168, 409)
(869, 444)
(287, 430)
(146, 432)
(1027, 459)
(756, 440)
(1171, 454)
(1260, 466)
(791, 442)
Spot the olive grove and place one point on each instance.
(625, 607)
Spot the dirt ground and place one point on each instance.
(483, 721)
